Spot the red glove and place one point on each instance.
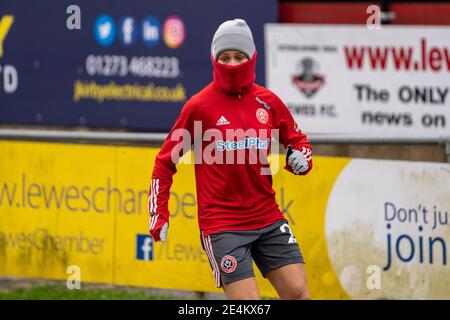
(158, 226)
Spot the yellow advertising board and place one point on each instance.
(86, 205)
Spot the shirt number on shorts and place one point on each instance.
(285, 227)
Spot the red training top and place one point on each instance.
(237, 117)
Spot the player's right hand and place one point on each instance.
(297, 160)
(158, 226)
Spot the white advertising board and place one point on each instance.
(340, 80)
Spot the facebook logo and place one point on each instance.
(144, 247)
(128, 31)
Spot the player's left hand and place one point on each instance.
(298, 162)
(158, 227)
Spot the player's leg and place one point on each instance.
(278, 257)
(245, 289)
(230, 258)
(290, 281)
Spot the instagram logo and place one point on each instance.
(174, 32)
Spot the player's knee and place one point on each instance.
(298, 293)
(245, 289)
(251, 296)
(305, 295)
(243, 296)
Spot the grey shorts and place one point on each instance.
(230, 253)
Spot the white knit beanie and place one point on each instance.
(233, 35)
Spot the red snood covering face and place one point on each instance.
(235, 79)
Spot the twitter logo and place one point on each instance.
(105, 30)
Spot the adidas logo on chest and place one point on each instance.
(222, 121)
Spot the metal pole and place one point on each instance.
(94, 136)
(447, 150)
(109, 137)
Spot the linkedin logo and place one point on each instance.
(151, 31)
